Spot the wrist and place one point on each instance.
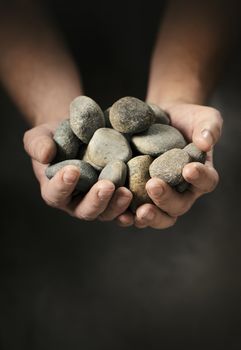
(168, 92)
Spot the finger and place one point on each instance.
(203, 178)
(126, 219)
(150, 215)
(57, 191)
(169, 200)
(39, 144)
(207, 131)
(118, 204)
(95, 201)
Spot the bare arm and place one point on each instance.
(35, 67)
(42, 79)
(191, 47)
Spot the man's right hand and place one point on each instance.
(101, 202)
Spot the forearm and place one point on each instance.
(189, 52)
(35, 66)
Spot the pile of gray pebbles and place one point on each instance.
(129, 143)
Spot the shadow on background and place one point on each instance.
(67, 284)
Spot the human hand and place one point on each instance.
(201, 125)
(102, 201)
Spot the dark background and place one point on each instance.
(67, 284)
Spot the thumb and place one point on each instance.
(39, 144)
(207, 131)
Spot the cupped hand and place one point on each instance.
(201, 125)
(101, 202)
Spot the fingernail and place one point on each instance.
(150, 216)
(206, 134)
(157, 191)
(103, 194)
(70, 176)
(194, 174)
(121, 201)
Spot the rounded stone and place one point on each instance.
(85, 117)
(130, 115)
(114, 171)
(107, 145)
(160, 116)
(88, 175)
(195, 153)
(66, 141)
(86, 159)
(158, 139)
(138, 175)
(169, 166)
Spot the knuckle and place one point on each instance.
(50, 202)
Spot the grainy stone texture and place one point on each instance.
(116, 172)
(160, 116)
(130, 115)
(138, 175)
(169, 166)
(182, 187)
(107, 145)
(107, 118)
(66, 141)
(88, 175)
(86, 159)
(195, 153)
(158, 139)
(85, 117)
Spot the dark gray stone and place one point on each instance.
(138, 175)
(107, 118)
(130, 115)
(106, 146)
(114, 171)
(85, 117)
(169, 166)
(66, 141)
(158, 139)
(88, 175)
(182, 187)
(195, 153)
(160, 116)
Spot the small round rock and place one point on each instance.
(169, 166)
(106, 146)
(195, 153)
(88, 175)
(130, 115)
(160, 116)
(138, 175)
(158, 139)
(66, 141)
(85, 117)
(116, 172)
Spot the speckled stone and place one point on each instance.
(169, 166)
(66, 141)
(160, 116)
(195, 153)
(130, 115)
(182, 187)
(85, 117)
(138, 175)
(107, 118)
(116, 172)
(158, 139)
(108, 145)
(88, 175)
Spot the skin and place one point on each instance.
(183, 72)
